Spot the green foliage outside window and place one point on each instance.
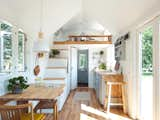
(6, 48)
(147, 47)
(21, 40)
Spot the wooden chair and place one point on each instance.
(47, 105)
(18, 112)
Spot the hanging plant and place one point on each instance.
(53, 53)
(101, 52)
(102, 66)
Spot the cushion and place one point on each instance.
(36, 116)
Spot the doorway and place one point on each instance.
(146, 72)
(82, 68)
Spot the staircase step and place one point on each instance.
(61, 49)
(59, 58)
(56, 67)
(54, 78)
(55, 73)
(57, 63)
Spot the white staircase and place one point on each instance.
(57, 72)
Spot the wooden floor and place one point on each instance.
(87, 110)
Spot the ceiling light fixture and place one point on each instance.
(40, 45)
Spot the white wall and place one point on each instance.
(130, 63)
(6, 12)
(7, 15)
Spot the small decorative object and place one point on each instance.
(36, 69)
(39, 81)
(53, 53)
(101, 52)
(117, 65)
(17, 84)
(102, 66)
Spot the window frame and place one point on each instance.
(15, 53)
(24, 50)
(2, 52)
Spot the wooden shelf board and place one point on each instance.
(82, 42)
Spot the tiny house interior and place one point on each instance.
(79, 60)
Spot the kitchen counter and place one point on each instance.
(102, 76)
(105, 72)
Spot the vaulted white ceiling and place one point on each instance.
(115, 15)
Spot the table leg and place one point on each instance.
(109, 98)
(106, 97)
(55, 112)
(23, 102)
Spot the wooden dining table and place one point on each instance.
(37, 93)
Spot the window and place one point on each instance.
(82, 61)
(5, 47)
(21, 51)
(11, 44)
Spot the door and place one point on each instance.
(146, 72)
(82, 67)
(73, 67)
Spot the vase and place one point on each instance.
(17, 91)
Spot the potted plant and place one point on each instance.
(53, 53)
(17, 84)
(102, 66)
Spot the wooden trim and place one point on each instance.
(54, 79)
(81, 42)
(56, 67)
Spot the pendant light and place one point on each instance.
(41, 46)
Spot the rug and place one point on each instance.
(82, 96)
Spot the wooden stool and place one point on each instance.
(108, 103)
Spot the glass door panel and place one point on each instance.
(146, 73)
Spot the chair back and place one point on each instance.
(8, 112)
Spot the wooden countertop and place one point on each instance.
(105, 72)
(34, 92)
(110, 76)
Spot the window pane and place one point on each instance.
(5, 27)
(6, 48)
(21, 40)
(147, 73)
(82, 61)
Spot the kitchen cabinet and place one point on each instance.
(100, 78)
